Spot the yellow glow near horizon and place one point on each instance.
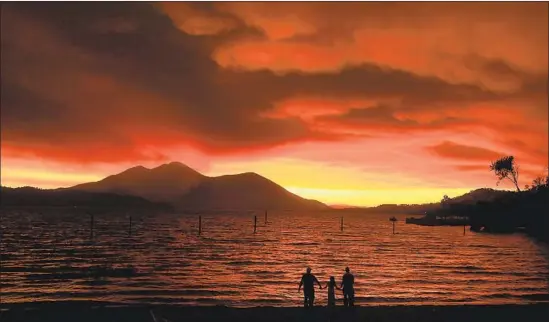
(338, 185)
(313, 175)
(330, 184)
(45, 179)
(376, 197)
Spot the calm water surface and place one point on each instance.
(47, 257)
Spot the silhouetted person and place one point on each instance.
(331, 285)
(347, 284)
(307, 281)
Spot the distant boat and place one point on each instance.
(393, 219)
(437, 221)
(422, 221)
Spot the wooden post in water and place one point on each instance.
(199, 225)
(393, 219)
(255, 224)
(265, 217)
(91, 225)
(463, 230)
(130, 229)
(341, 223)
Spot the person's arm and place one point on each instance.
(300, 284)
(319, 285)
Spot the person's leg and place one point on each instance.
(345, 299)
(352, 298)
(312, 300)
(305, 300)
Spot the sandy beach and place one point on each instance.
(104, 312)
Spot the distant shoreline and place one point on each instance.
(90, 311)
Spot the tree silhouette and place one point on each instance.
(445, 200)
(505, 168)
(538, 183)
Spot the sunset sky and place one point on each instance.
(346, 103)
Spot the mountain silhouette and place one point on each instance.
(185, 188)
(166, 183)
(482, 194)
(245, 191)
(35, 197)
(471, 197)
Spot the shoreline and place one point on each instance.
(105, 312)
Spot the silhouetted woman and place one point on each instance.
(331, 285)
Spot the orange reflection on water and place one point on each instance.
(49, 257)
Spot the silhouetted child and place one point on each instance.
(331, 285)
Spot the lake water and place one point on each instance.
(47, 257)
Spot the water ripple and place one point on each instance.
(49, 256)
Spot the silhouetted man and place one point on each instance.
(307, 281)
(347, 283)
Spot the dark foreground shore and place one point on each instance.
(100, 312)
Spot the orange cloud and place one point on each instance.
(309, 82)
(456, 42)
(448, 149)
(472, 167)
(196, 20)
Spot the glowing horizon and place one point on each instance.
(346, 103)
(353, 194)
